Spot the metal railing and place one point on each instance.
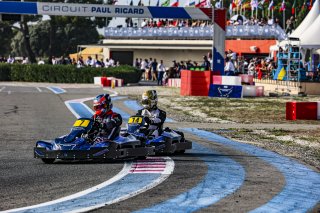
(240, 31)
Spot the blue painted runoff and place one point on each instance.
(131, 104)
(57, 90)
(81, 110)
(224, 176)
(302, 189)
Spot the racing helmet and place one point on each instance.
(149, 99)
(102, 104)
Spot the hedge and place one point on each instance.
(65, 73)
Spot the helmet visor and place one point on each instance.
(146, 102)
(98, 107)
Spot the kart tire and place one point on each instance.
(48, 160)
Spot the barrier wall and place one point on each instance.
(174, 82)
(226, 80)
(247, 79)
(302, 111)
(253, 91)
(195, 83)
(108, 81)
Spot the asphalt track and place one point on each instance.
(217, 175)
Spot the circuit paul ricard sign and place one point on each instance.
(101, 10)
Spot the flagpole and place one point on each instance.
(284, 19)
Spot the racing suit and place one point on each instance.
(109, 125)
(155, 117)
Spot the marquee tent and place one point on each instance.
(310, 39)
(307, 22)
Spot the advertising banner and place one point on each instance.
(225, 91)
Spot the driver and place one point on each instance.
(154, 116)
(108, 122)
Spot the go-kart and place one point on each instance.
(168, 142)
(84, 142)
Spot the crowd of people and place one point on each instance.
(80, 62)
(157, 71)
(240, 20)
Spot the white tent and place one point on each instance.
(310, 39)
(308, 20)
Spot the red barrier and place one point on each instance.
(291, 111)
(105, 82)
(301, 110)
(195, 83)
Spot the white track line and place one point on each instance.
(125, 170)
(2, 88)
(38, 88)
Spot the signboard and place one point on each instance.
(225, 91)
(102, 10)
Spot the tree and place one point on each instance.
(6, 33)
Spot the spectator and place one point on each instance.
(154, 66)
(40, 61)
(111, 62)
(107, 63)
(10, 60)
(189, 65)
(270, 21)
(206, 63)
(229, 68)
(88, 62)
(25, 60)
(161, 70)
(137, 63)
(144, 67)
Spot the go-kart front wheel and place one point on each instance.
(48, 160)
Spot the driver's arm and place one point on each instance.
(159, 119)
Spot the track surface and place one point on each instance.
(32, 113)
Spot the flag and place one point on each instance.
(293, 7)
(270, 5)
(166, 3)
(158, 3)
(209, 4)
(192, 3)
(131, 3)
(283, 6)
(262, 2)
(254, 4)
(202, 3)
(310, 5)
(234, 5)
(230, 9)
(281, 74)
(239, 2)
(175, 3)
(218, 4)
(140, 3)
(149, 3)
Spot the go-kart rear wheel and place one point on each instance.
(48, 160)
